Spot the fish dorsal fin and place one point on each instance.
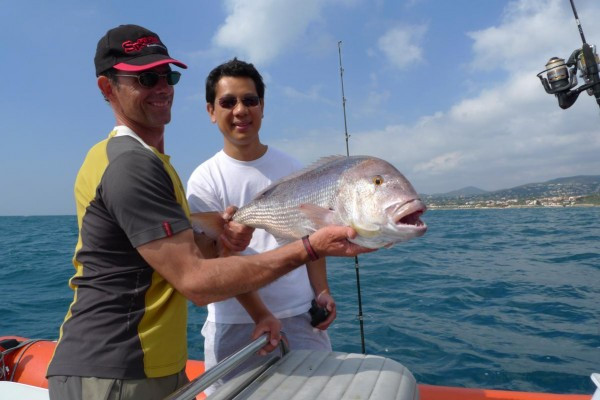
(318, 215)
(321, 161)
(324, 160)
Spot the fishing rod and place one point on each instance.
(356, 266)
(343, 98)
(560, 77)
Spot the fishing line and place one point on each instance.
(356, 265)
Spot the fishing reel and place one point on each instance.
(317, 314)
(560, 77)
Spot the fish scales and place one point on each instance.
(277, 207)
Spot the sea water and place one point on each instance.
(490, 298)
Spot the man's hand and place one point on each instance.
(271, 325)
(325, 300)
(235, 237)
(333, 241)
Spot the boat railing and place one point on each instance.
(596, 379)
(199, 384)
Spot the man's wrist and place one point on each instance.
(312, 254)
(324, 291)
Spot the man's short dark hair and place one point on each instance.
(111, 74)
(235, 68)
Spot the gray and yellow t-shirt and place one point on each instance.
(125, 321)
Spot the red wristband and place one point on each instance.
(312, 254)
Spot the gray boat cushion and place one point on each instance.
(309, 375)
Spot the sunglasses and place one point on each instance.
(229, 102)
(149, 79)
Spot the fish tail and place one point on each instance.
(211, 223)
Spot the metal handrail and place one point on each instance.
(199, 384)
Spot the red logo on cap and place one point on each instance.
(139, 44)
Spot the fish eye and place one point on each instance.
(378, 180)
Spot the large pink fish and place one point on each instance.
(366, 193)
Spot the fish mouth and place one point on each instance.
(409, 214)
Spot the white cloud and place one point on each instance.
(260, 30)
(441, 163)
(531, 32)
(401, 45)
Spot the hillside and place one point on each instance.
(466, 191)
(575, 190)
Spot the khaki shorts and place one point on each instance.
(77, 387)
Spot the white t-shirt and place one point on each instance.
(222, 181)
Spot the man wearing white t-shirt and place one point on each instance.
(234, 176)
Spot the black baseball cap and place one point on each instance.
(131, 48)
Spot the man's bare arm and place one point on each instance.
(181, 263)
(263, 318)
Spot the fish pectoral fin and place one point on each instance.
(211, 223)
(318, 215)
(370, 230)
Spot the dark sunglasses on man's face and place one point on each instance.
(229, 102)
(149, 79)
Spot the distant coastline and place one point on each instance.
(465, 207)
(501, 203)
(575, 191)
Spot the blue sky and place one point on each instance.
(445, 90)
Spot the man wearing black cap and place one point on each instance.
(137, 259)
